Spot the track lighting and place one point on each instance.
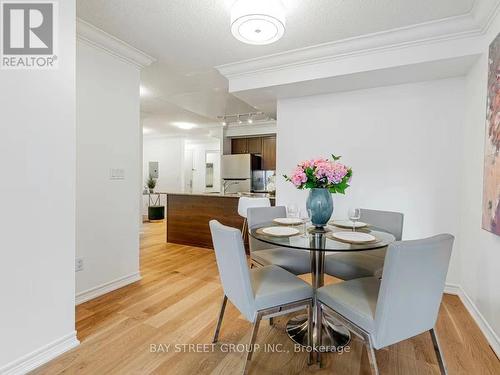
(240, 118)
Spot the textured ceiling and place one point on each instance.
(195, 33)
(190, 37)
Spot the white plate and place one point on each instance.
(281, 231)
(348, 224)
(354, 237)
(288, 221)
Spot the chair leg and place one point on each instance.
(253, 336)
(439, 353)
(371, 355)
(244, 228)
(271, 322)
(319, 331)
(219, 321)
(310, 328)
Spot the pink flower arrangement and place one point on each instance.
(323, 174)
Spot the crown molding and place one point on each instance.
(91, 35)
(484, 12)
(463, 27)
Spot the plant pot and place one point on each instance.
(156, 213)
(320, 204)
(151, 191)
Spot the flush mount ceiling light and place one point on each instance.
(143, 91)
(184, 125)
(258, 21)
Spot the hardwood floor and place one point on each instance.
(177, 302)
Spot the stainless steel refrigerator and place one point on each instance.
(260, 180)
(237, 172)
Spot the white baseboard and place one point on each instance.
(41, 356)
(483, 324)
(99, 290)
(452, 289)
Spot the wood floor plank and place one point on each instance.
(177, 302)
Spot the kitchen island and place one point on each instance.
(188, 215)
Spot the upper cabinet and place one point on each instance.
(269, 153)
(255, 145)
(239, 146)
(264, 146)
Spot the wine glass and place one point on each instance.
(354, 216)
(305, 216)
(293, 211)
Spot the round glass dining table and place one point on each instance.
(320, 242)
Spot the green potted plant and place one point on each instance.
(151, 184)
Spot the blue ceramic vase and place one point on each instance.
(320, 204)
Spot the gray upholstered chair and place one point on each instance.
(261, 254)
(244, 203)
(258, 293)
(348, 266)
(405, 303)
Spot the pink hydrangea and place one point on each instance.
(333, 172)
(298, 176)
(321, 173)
(307, 164)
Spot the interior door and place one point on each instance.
(188, 171)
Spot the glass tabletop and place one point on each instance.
(313, 239)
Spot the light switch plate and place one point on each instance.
(117, 174)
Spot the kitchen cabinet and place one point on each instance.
(254, 145)
(191, 213)
(263, 146)
(239, 146)
(269, 153)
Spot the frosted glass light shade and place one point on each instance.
(258, 21)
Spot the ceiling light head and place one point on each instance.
(258, 21)
(143, 91)
(184, 125)
(250, 121)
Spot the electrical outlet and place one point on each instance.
(78, 264)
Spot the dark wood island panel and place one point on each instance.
(188, 217)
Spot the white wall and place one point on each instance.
(169, 153)
(401, 141)
(480, 250)
(108, 136)
(37, 200)
(255, 129)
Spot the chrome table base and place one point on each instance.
(335, 336)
